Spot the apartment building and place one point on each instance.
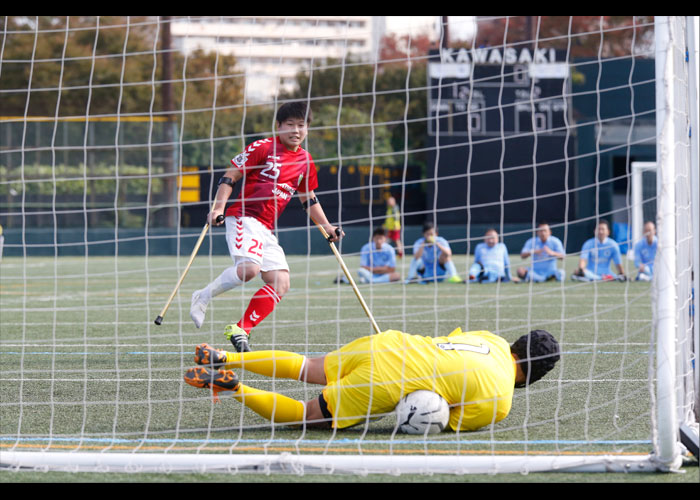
(270, 50)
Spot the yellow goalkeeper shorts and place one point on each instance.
(355, 389)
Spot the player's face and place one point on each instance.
(602, 231)
(491, 238)
(649, 230)
(544, 232)
(379, 240)
(429, 235)
(292, 132)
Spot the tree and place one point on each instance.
(107, 73)
(585, 36)
(386, 100)
(102, 66)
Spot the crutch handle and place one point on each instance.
(328, 236)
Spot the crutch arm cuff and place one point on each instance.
(309, 203)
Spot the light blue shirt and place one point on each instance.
(599, 255)
(371, 257)
(431, 253)
(494, 259)
(644, 253)
(541, 262)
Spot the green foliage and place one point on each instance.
(357, 141)
(77, 180)
(386, 103)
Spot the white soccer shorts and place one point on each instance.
(248, 239)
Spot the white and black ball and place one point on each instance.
(422, 412)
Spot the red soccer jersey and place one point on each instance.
(271, 176)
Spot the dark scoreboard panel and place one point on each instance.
(491, 97)
(498, 135)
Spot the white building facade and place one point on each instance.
(270, 50)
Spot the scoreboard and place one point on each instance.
(495, 91)
(497, 135)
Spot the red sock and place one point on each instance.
(260, 306)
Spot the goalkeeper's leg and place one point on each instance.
(271, 363)
(281, 409)
(270, 405)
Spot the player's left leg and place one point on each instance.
(646, 274)
(272, 363)
(270, 405)
(364, 275)
(230, 278)
(476, 271)
(536, 277)
(266, 299)
(243, 237)
(414, 270)
(450, 270)
(591, 276)
(275, 273)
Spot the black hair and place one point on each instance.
(379, 231)
(537, 352)
(427, 226)
(294, 109)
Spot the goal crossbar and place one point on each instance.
(307, 464)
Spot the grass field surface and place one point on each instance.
(84, 368)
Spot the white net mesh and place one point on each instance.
(114, 132)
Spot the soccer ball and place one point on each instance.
(422, 412)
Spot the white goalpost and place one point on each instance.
(643, 192)
(115, 130)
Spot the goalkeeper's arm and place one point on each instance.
(316, 213)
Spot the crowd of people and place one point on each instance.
(600, 258)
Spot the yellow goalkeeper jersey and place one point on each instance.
(473, 371)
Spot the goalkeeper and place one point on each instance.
(475, 372)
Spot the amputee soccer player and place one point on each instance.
(475, 372)
(272, 170)
(645, 253)
(597, 254)
(432, 259)
(545, 250)
(491, 261)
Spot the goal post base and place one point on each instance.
(327, 464)
(690, 439)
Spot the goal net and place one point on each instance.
(114, 133)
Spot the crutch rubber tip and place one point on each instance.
(159, 320)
